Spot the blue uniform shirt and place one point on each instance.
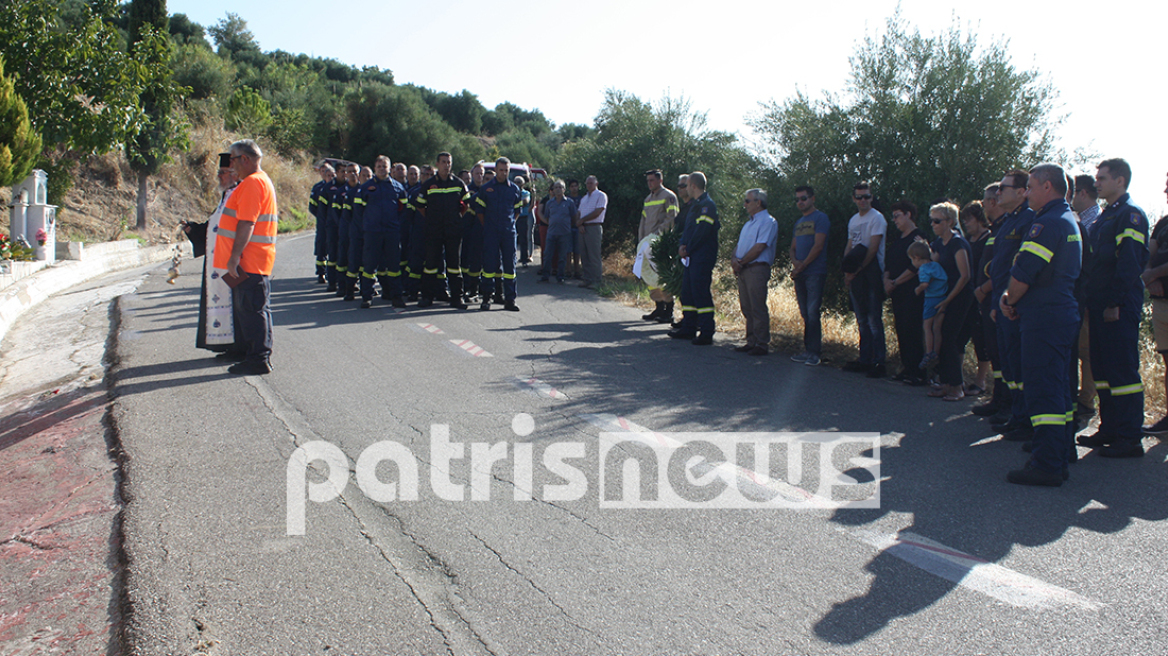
(377, 205)
(1007, 240)
(700, 237)
(498, 202)
(1049, 260)
(1119, 241)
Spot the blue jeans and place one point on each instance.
(867, 294)
(556, 255)
(809, 293)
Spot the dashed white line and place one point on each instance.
(471, 348)
(732, 474)
(974, 573)
(539, 387)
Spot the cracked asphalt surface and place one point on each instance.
(494, 558)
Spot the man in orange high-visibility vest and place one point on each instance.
(246, 247)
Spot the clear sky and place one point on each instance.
(1107, 60)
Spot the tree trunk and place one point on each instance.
(142, 190)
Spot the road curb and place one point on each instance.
(99, 259)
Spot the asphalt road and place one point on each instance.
(507, 558)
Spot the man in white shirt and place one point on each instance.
(867, 228)
(752, 267)
(591, 228)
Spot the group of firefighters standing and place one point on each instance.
(423, 234)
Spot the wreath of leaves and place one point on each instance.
(667, 262)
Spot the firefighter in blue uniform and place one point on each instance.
(316, 207)
(1041, 298)
(472, 242)
(699, 243)
(398, 173)
(378, 209)
(345, 282)
(1015, 227)
(357, 238)
(443, 201)
(1114, 293)
(333, 200)
(415, 224)
(496, 205)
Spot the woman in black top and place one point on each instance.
(900, 281)
(952, 252)
(977, 233)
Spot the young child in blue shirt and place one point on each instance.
(935, 286)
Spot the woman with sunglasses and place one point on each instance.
(952, 252)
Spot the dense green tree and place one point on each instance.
(232, 37)
(397, 122)
(79, 67)
(206, 74)
(162, 128)
(248, 112)
(185, 31)
(19, 144)
(922, 117)
(633, 136)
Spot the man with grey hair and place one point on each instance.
(1041, 298)
(752, 267)
(246, 247)
(560, 213)
(593, 206)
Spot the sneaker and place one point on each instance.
(398, 302)
(745, 348)
(510, 306)
(800, 357)
(425, 302)
(232, 356)
(1158, 428)
(812, 360)
(758, 350)
(702, 340)
(365, 305)
(679, 333)
(878, 371)
(485, 306)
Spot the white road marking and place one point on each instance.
(539, 387)
(732, 474)
(431, 328)
(974, 573)
(471, 348)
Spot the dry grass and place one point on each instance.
(102, 203)
(840, 335)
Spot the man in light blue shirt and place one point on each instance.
(752, 266)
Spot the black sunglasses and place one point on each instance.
(863, 197)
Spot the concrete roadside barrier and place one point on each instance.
(24, 284)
